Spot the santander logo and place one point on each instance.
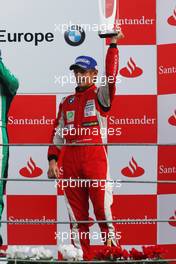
(131, 71)
(133, 170)
(31, 170)
(172, 19)
(172, 218)
(172, 119)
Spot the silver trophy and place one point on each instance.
(108, 25)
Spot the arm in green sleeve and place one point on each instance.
(8, 79)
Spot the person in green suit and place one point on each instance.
(8, 88)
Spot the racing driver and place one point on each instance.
(8, 88)
(86, 111)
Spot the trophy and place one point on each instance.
(110, 23)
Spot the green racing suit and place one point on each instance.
(8, 88)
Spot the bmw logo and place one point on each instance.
(75, 35)
(71, 100)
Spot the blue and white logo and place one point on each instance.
(75, 35)
(71, 100)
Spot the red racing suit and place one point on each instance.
(82, 118)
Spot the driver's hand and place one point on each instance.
(115, 39)
(53, 171)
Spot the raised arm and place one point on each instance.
(106, 91)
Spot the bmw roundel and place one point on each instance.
(75, 35)
(71, 100)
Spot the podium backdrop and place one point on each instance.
(144, 109)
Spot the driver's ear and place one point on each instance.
(95, 72)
